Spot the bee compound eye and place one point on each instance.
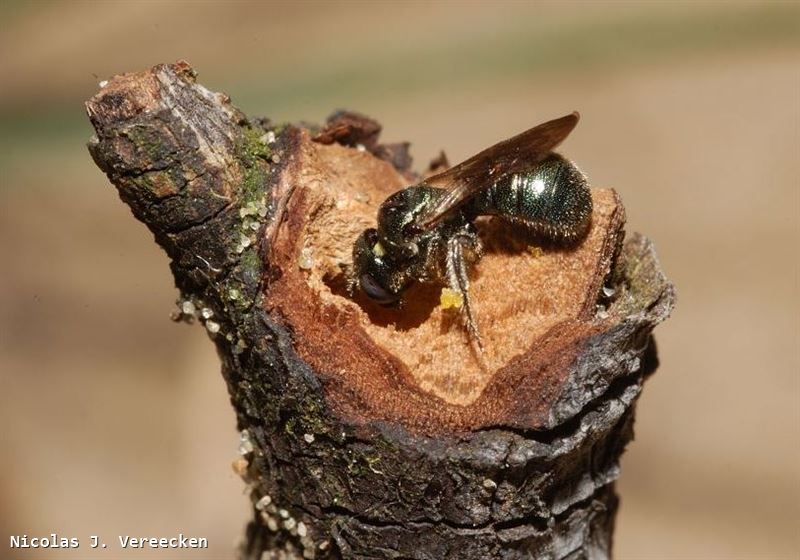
(411, 229)
(374, 290)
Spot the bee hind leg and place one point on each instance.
(459, 282)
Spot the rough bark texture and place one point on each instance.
(355, 459)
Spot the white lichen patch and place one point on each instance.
(268, 138)
(316, 472)
(302, 530)
(240, 346)
(263, 502)
(188, 308)
(306, 259)
(245, 443)
(281, 520)
(270, 522)
(252, 215)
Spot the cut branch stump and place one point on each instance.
(371, 432)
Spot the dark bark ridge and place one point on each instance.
(330, 479)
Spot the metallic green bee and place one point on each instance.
(426, 232)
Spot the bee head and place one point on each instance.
(374, 272)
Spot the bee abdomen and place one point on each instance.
(552, 199)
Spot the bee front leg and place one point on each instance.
(459, 282)
(351, 279)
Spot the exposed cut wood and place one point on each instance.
(414, 363)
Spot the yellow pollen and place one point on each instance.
(535, 251)
(450, 298)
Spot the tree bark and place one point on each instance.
(354, 445)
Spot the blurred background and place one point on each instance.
(114, 420)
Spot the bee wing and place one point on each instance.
(479, 172)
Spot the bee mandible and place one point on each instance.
(426, 232)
